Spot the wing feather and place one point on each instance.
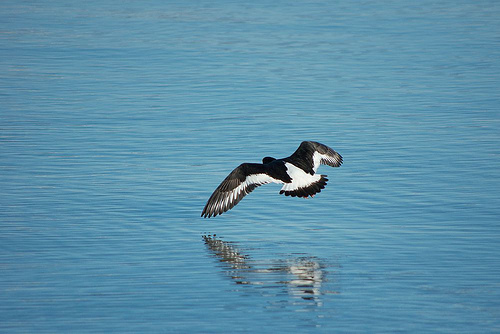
(310, 154)
(239, 183)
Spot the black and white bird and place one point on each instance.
(297, 173)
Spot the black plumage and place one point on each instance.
(297, 173)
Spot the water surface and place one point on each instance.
(118, 120)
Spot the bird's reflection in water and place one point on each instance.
(301, 276)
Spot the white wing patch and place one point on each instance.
(334, 159)
(317, 160)
(300, 179)
(232, 196)
(325, 159)
(257, 179)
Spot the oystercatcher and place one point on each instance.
(297, 173)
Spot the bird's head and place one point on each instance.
(267, 160)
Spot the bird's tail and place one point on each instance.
(307, 191)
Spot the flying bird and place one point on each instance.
(297, 173)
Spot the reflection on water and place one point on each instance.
(301, 276)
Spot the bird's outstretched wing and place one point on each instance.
(311, 154)
(239, 183)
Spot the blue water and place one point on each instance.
(119, 119)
